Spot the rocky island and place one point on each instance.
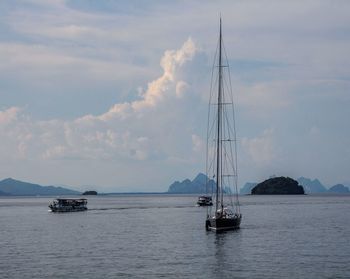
(89, 193)
(278, 186)
(339, 188)
(196, 186)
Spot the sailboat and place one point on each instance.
(221, 159)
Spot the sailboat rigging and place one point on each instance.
(221, 163)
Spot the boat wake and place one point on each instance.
(141, 207)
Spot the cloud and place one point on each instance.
(9, 115)
(158, 90)
(117, 133)
(170, 63)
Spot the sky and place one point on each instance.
(113, 95)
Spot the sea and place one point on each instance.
(164, 236)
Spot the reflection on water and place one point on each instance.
(227, 253)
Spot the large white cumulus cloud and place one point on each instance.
(159, 89)
(129, 130)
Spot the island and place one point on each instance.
(312, 186)
(90, 193)
(13, 187)
(339, 189)
(200, 185)
(278, 186)
(247, 188)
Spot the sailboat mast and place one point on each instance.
(221, 135)
(218, 145)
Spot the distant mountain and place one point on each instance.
(196, 186)
(19, 188)
(311, 186)
(339, 188)
(4, 194)
(247, 188)
(278, 186)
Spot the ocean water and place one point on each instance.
(160, 236)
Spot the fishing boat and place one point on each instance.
(68, 205)
(221, 159)
(205, 201)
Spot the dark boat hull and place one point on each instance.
(67, 209)
(223, 224)
(204, 203)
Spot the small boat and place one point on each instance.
(205, 201)
(221, 148)
(68, 205)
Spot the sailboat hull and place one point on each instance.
(223, 224)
